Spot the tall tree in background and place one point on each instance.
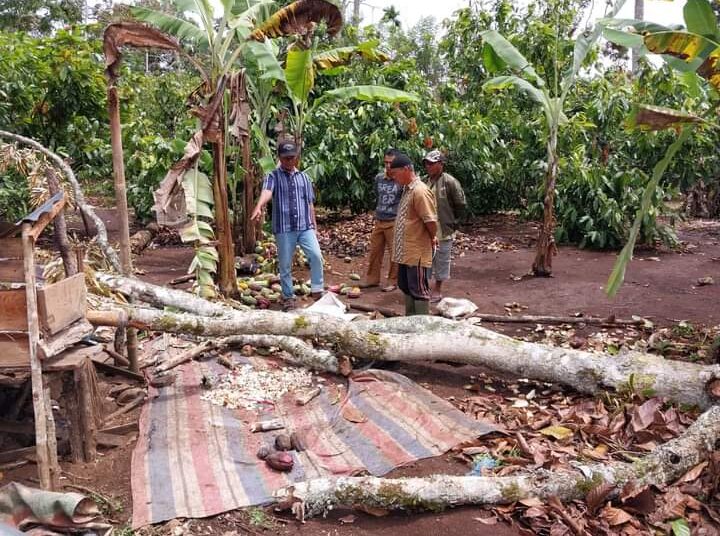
(39, 16)
(639, 15)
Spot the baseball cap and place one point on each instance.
(434, 156)
(287, 148)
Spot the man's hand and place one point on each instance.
(257, 214)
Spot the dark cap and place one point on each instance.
(287, 148)
(400, 161)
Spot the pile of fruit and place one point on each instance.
(263, 289)
(351, 290)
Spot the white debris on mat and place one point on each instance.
(248, 388)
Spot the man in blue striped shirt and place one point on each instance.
(293, 220)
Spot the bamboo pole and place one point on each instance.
(122, 207)
(44, 456)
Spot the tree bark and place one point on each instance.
(226, 250)
(639, 15)
(158, 296)
(298, 352)
(546, 248)
(663, 465)
(60, 229)
(102, 236)
(420, 339)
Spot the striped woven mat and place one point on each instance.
(196, 459)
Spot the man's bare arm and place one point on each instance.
(265, 197)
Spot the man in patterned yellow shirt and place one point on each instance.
(415, 236)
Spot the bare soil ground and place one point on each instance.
(660, 285)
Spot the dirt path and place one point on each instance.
(659, 285)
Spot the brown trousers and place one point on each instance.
(381, 240)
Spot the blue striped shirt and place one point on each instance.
(292, 195)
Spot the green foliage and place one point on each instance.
(39, 16)
(680, 527)
(596, 205)
(14, 196)
(199, 200)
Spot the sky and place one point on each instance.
(660, 11)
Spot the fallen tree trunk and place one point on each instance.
(86, 209)
(158, 296)
(447, 340)
(663, 465)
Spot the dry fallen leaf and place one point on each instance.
(693, 473)
(615, 516)
(597, 495)
(352, 414)
(558, 432)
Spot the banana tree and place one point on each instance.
(696, 54)
(498, 55)
(220, 45)
(302, 66)
(298, 76)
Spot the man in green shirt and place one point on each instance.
(451, 205)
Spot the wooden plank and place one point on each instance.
(13, 310)
(12, 271)
(14, 350)
(65, 339)
(110, 369)
(26, 453)
(72, 358)
(10, 248)
(44, 456)
(61, 303)
(121, 429)
(39, 225)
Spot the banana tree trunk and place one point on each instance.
(546, 248)
(250, 231)
(226, 249)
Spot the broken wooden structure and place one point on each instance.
(40, 326)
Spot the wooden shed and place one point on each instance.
(40, 328)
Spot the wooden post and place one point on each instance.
(122, 207)
(73, 403)
(45, 458)
(51, 440)
(87, 413)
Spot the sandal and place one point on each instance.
(389, 288)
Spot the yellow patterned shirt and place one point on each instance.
(413, 244)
